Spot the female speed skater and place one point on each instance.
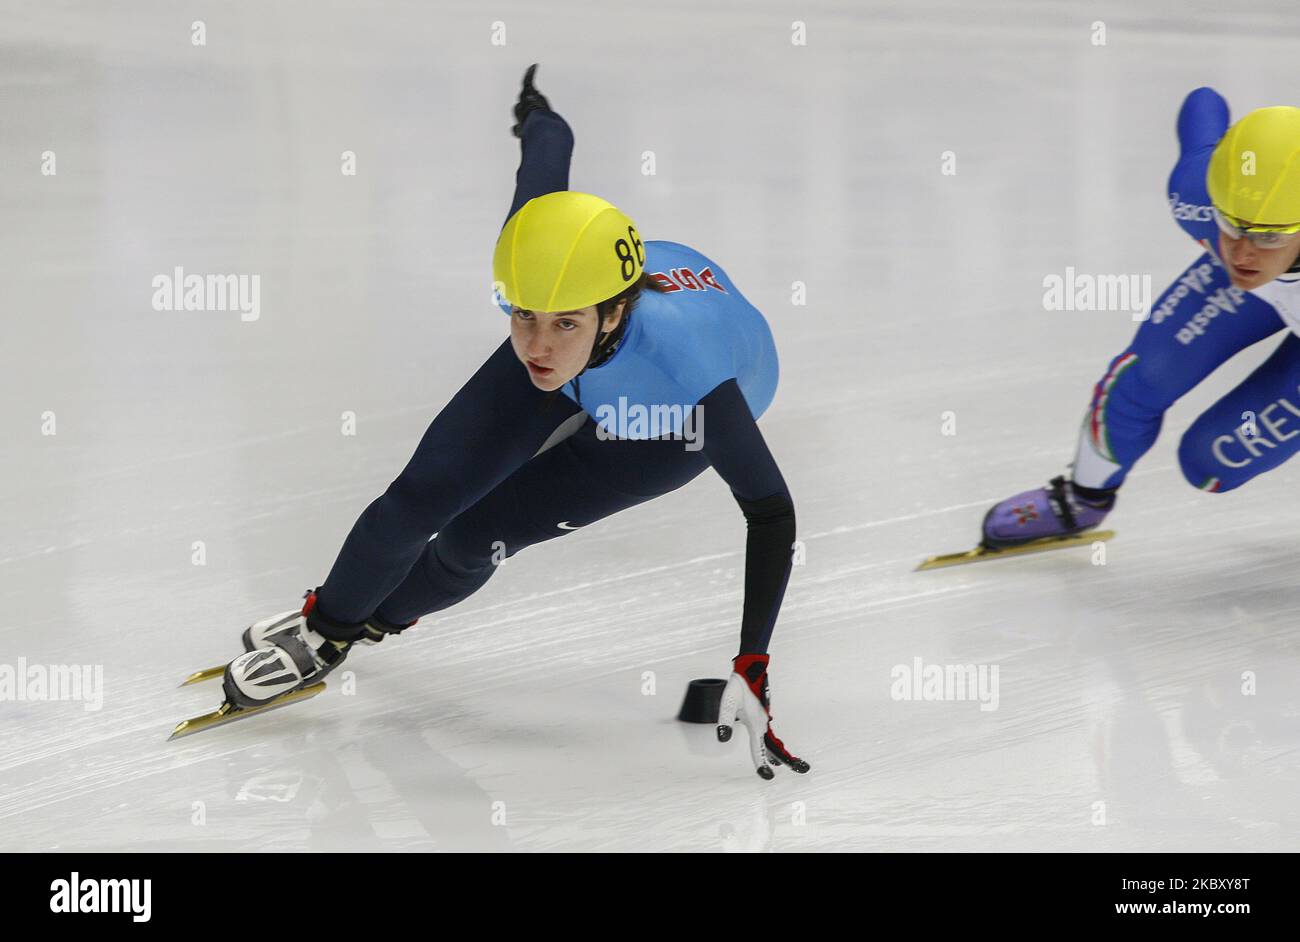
(1236, 191)
(633, 344)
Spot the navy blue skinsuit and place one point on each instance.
(478, 481)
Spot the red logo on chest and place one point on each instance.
(679, 279)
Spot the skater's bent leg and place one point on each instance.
(1198, 323)
(1252, 429)
(491, 427)
(576, 483)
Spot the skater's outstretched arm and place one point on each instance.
(1201, 122)
(736, 449)
(546, 144)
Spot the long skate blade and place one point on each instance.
(228, 714)
(210, 673)
(982, 553)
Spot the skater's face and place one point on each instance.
(1252, 266)
(554, 345)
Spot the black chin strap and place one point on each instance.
(600, 353)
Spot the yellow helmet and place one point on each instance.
(1254, 173)
(565, 251)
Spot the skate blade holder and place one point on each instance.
(982, 553)
(228, 713)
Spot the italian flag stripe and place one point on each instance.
(1097, 421)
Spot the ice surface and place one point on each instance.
(521, 719)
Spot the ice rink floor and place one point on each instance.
(538, 715)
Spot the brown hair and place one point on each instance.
(631, 294)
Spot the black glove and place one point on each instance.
(530, 100)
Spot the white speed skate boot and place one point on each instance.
(292, 650)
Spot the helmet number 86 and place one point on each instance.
(624, 253)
